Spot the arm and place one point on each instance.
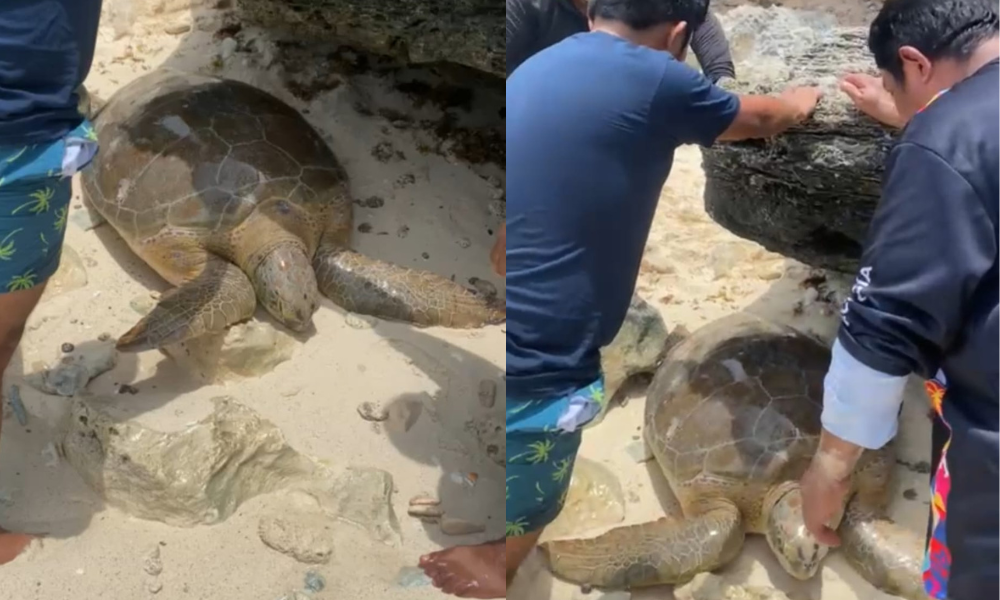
(522, 33)
(710, 45)
(693, 110)
(768, 116)
(930, 246)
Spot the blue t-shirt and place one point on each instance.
(592, 125)
(46, 49)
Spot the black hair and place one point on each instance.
(645, 14)
(939, 29)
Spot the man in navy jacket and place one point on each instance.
(46, 49)
(925, 299)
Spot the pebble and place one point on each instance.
(412, 577)
(464, 243)
(152, 564)
(315, 582)
(51, 455)
(227, 48)
(154, 587)
(453, 526)
(67, 348)
(425, 512)
(355, 321)
(177, 29)
(487, 393)
(424, 501)
(373, 413)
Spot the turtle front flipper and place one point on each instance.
(664, 551)
(220, 296)
(888, 556)
(367, 286)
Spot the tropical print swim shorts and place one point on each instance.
(35, 191)
(543, 437)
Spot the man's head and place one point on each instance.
(926, 46)
(659, 24)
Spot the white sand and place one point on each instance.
(694, 272)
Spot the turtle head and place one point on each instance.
(286, 285)
(795, 548)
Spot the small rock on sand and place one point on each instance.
(412, 577)
(369, 411)
(245, 350)
(152, 564)
(304, 537)
(71, 372)
(453, 526)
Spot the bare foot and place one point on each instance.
(469, 571)
(12, 545)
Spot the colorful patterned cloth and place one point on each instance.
(937, 561)
(543, 437)
(35, 190)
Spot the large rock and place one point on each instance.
(808, 194)
(244, 350)
(201, 475)
(466, 32)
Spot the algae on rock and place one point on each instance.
(466, 32)
(810, 193)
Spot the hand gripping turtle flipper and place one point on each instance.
(220, 296)
(367, 286)
(888, 556)
(662, 552)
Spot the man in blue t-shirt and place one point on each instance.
(592, 126)
(926, 298)
(46, 49)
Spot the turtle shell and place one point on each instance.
(735, 409)
(198, 154)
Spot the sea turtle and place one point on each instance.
(733, 419)
(232, 197)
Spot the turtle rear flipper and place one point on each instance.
(888, 556)
(220, 296)
(367, 286)
(661, 552)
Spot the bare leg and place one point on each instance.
(15, 308)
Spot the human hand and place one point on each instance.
(499, 254)
(870, 97)
(804, 99)
(823, 499)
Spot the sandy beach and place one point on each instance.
(424, 162)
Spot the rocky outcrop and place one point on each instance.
(808, 194)
(466, 32)
(202, 474)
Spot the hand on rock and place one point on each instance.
(870, 97)
(804, 99)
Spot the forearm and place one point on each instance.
(711, 47)
(762, 117)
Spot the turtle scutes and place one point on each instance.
(733, 420)
(233, 198)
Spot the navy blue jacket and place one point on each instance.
(926, 301)
(46, 49)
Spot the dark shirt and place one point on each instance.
(534, 25)
(926, 300)
(46, 49)
(592, 125)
